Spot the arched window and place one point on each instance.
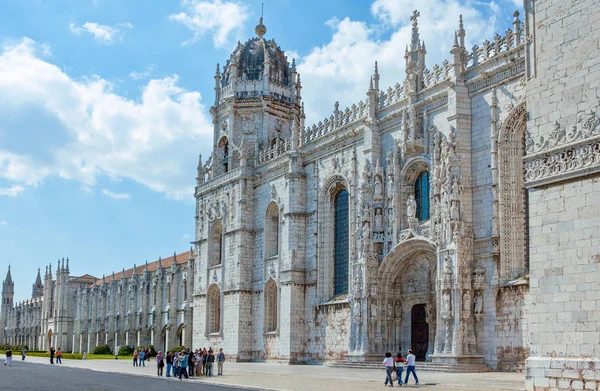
(213, 310)
(184, 290)
(271, 303)
(216, 255)
(168, 292)
(341, 243)
(272, 231)
(422, 196)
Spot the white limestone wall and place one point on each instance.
(564, 316)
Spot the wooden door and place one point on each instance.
(419, 334)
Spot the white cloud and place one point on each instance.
(216, 17)
(116, 196)
(153, 139)
(345, 63)
(186, 236)
(3, 222)
(139, 75)
(102, 33)
(12, 191)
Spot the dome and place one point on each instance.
(250, 57)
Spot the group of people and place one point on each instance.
(139, 358)
(188, 363)
(397, 366)
(55, 353)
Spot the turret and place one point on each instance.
(8, 289)
(38, 287)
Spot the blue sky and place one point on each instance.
(104, 108)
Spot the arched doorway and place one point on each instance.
(407, 288)
(163, 338)
(180, 335)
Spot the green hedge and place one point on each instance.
(14, 348)
(177, 349)
(102, 349)
(125, 350)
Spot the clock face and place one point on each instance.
(248, 127)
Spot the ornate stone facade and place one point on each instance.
(433, 229)
(145, 305)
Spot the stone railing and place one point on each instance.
(490, 49)
(274, 152)
(339, 119)
(219, 180)
(391, 95)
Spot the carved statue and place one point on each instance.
(390, 188)
(390, 312)
(373, 310)
(466, 301)
(366, 237)
(478, 304)
(446, 302)
(411, 207)
(399, 310)
(378, 221)
(378, 187)
(454, 211)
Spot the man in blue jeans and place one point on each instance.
(410, 367)
(169, 360)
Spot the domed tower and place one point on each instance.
(257, 97)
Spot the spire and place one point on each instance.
(46, 275)
(371, 83)
(455, 45)
(8, 280)
(461, 32)
(376, 77)
(67, 268)
(293, 65)
(38, 288)
(134, 271)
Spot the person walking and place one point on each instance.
(58, 356)
(23, 353)
(160, 363)
(142, 357)
(52, 351)
(8, 359)
(183, 365)
(400, 361)
(410, 367)
(210, 359)
(191, 362)
(169, 363)
(220, 361)
(136, 355)
(388, 361)
(176, 363)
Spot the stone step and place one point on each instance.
(421, 366)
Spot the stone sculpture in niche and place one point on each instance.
(478, 304)
(411, 207)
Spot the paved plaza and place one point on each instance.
(259, 376)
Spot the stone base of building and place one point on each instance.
(364, 357)
(453, 359)
(558, 374)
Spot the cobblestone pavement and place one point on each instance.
(274, 376)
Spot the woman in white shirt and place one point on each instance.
(388, 361)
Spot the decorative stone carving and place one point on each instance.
(214, 276)
(411, 207)
(479, 279)
(466, 302)
(478, 304)
(378, 220)
(446, 306)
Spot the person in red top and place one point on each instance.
(399, 363)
